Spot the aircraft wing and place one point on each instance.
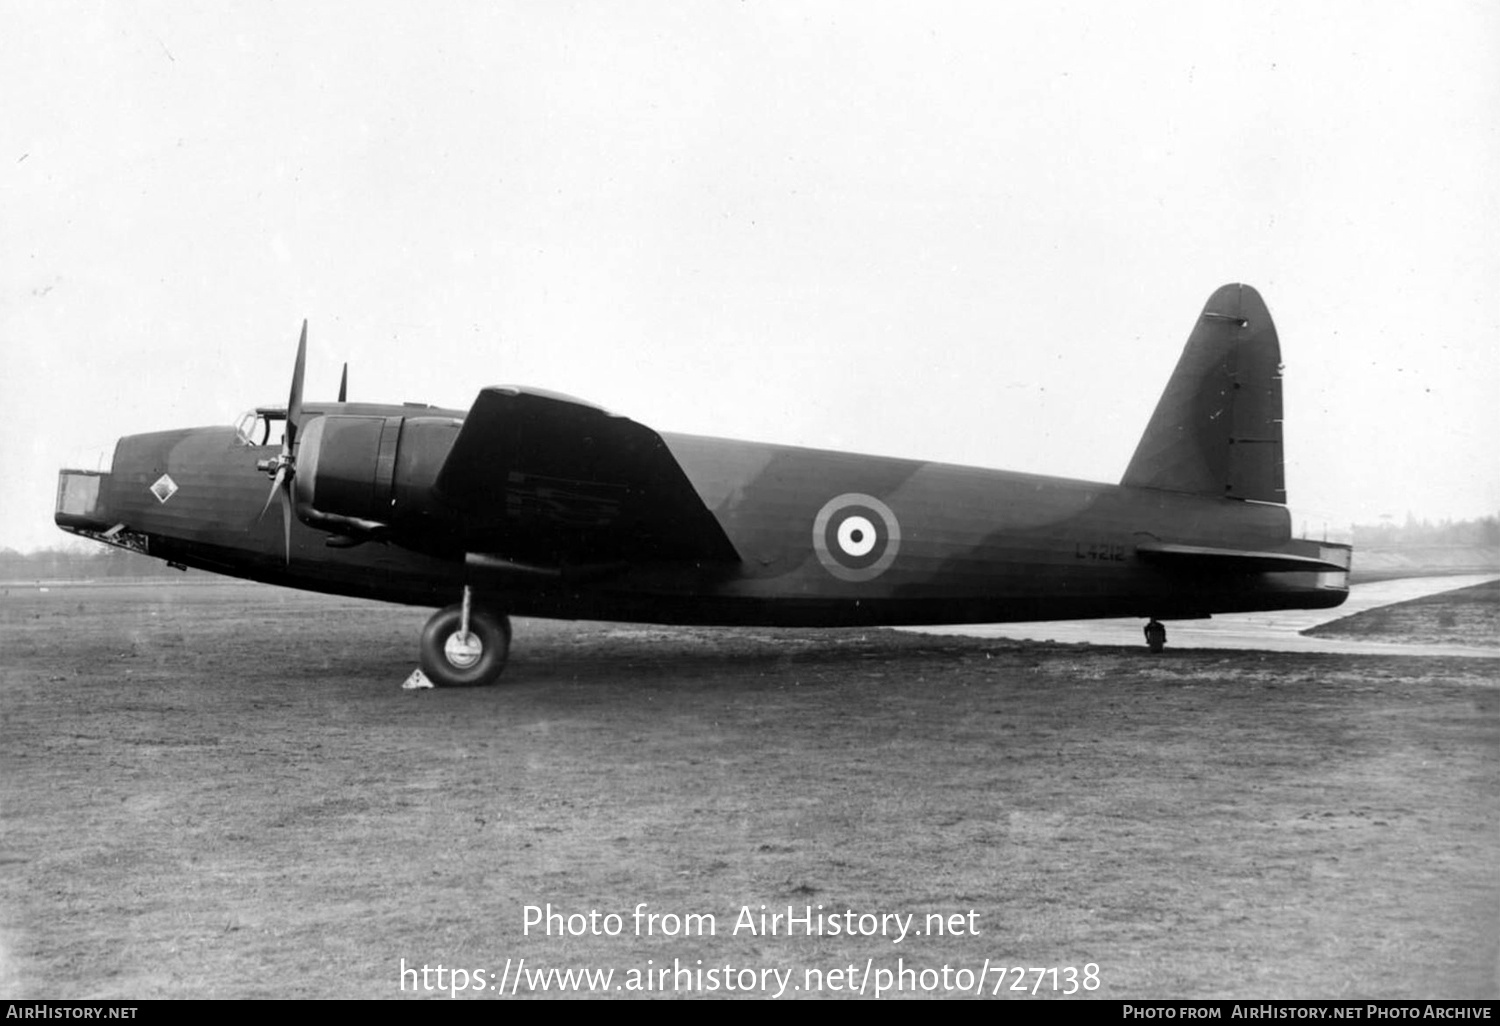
(1194, 557)
(542, 478)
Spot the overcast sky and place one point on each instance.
(970, 233)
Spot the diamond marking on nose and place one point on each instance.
(164, 488)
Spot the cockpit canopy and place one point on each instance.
(264, 425)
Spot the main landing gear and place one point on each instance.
(1156, 635)
(465, 646)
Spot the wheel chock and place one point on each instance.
(417, 681)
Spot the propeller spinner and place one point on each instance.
(282, 466)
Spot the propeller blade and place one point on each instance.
(294, 401)
(344, 385)
(286, 524)
(285, 464)
(275, 487)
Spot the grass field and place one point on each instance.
(1468, 616)
(218, 790)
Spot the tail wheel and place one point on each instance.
(1156, 635)
(452, 658)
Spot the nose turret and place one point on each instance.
(80, 501)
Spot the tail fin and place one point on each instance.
(1217, 428)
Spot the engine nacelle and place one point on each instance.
(370, 470)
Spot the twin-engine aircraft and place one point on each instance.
(536, 504)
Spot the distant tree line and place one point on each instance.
(73, 565)
(1413, 533)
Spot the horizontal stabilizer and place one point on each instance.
(1234, 560)
(541, 478)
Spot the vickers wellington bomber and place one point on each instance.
(532, 503)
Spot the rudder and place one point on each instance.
(1217, 428)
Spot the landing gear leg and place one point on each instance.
(1156, 635)
(465, 645)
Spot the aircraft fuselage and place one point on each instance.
(824, 538)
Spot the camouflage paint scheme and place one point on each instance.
(551, 507)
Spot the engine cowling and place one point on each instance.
(370, 470)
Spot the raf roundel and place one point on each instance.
(856, 537)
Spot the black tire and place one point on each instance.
(1156, 636)
(491, 631)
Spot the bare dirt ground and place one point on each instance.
(218, 790)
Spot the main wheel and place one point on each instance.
(452, 660)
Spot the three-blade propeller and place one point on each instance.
(284, 465)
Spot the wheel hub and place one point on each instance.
(463, 649)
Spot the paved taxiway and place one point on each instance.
(1275, 632)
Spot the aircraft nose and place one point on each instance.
(87, 499)
(178, 483)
